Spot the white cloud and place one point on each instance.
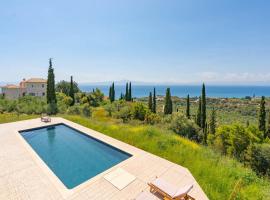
(244, 77)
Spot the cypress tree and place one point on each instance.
(205, 133)
(150, 101)
(113, 92)
(129, 92)
(121, 96)
(268, 126)
(199, 112)
(212, 124)
(71, 91)
(154, 102)
(262, 116)
(188, 107)
(51, 96)
(110, 93)
(168, 102)
(127, 95)
(203, 110)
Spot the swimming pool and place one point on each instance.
(73, 156)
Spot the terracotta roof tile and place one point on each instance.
(11, 86)
(36, 80)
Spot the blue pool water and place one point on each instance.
(73, 156)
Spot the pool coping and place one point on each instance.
(61, 188)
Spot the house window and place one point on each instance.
(32, 94)
(43, 87)
(43, 94)
(32, 86)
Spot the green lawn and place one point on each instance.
(12, 117)
(220, 177)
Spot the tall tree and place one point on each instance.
(51, 96)
(188, 107)
(121, 96)
(203, 110)
(213, 121)
(113, 92)
(127, 95)
(168, 102)
(71, 91)
(150, 101)
(268, 126)
(262, 116)
(110, 93)
(129, 92)
(199, 113)
(154, 105)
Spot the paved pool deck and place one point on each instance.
(23, 175)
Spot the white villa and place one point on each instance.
(32, 87)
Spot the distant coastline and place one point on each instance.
(217, 91)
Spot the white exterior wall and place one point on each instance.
(36, 89)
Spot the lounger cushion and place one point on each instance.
(165, 186)
(182, 191)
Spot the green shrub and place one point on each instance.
(235, 139)
(139, 111)
(260, 158)
(29, 105)
(74, 110)
(152, 118)
(221, 140)
(185, 127)
(110, 108)
(86, 110)
(81, 98)
(239, 141)
(124, 114)
(167, 119)
(95, 98)
(52, 108)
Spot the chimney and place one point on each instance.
(22, 84)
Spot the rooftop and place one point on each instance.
(11, 86)
(36, 80)
(24, 175)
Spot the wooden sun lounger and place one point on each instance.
(170, 192)
(45, 119)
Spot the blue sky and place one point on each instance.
(177, 41)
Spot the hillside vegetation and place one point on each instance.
(219, 176)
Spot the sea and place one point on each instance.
(183, 90)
